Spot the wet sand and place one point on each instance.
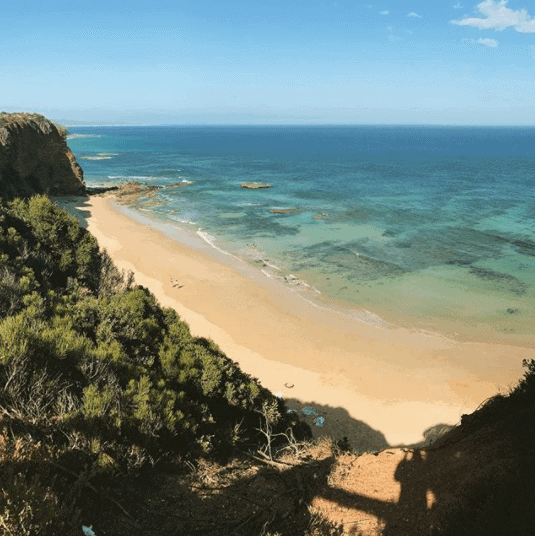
(368, 382)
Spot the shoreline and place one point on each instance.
(502, 327)
(367, 381)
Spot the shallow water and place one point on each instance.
(428, 227)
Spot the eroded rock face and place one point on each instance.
(35, 159)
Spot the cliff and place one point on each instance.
(35, 158)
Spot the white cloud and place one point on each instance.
(385, 12)
(457, 6)
(492, 43)
(488, 42)
(413, 14)
(499, 17)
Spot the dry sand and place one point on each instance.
(369, 383)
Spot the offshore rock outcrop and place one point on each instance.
(255, 185)
(35, 158)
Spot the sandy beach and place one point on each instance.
(375, 385)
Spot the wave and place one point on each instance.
(265, 261)
(293, 282)
(364, 316)
(180, 220)
(260, 257)
(209, 239)
(129, 177)
(369, 318)
(143, 177)
(99, 156)
(183, 181)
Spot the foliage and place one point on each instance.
(90, 363)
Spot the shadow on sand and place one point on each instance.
(336, 423)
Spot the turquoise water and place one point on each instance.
(427, 227)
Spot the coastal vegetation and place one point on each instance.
(108, 406)
(94, 373)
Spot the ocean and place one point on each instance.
(422, 227)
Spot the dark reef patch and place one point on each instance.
(507, 281)
(389, 233)
(525, 246)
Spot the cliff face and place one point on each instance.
(35, 159)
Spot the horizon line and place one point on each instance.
(489, 125)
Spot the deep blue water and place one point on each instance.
(432, 227)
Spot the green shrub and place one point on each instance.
(86, 356)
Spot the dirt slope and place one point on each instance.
(478, 479)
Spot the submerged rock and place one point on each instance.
(255, 185)
(180, 183)
(283, 210)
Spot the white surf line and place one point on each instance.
(209, 239)
(270, 265)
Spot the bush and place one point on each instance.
(86, 356)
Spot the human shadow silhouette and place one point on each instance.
(412, 504)
(409, 514)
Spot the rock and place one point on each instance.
(129, 192)
(97, 190)
(283, 210)
(291, 279)
(255, 185)
(35, 158)
(181, 183)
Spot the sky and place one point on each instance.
(276, 62)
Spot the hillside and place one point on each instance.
(95, 374)
(35, 158)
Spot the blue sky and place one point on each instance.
(403, 62)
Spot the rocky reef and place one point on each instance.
(255, 185)
(35, 158)
(283, 211)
